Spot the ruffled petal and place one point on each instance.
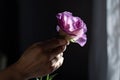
(73, 27)
(82, 40)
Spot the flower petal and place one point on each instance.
(73, 27)
(82, 41)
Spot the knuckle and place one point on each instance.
(48, 57)
(61, 41)
(58, 41)
(39, 47)
(52, 68)
(62, 48)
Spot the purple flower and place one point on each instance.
(72, 27)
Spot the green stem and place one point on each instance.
(48, 77)
(39, 78)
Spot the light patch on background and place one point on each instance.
(113, 39)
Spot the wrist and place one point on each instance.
(11, 73)
(15, 73)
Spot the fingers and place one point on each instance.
(51, 45)
(58, 56)
(54, 43)
(54, 47)
(50, 48)
(57, 51)
(56, 62)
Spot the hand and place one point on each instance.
(41, 58)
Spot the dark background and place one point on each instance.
(24, 22)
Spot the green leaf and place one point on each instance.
(50, 77)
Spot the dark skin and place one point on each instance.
(38, 60)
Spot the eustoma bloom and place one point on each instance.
(72, 28)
